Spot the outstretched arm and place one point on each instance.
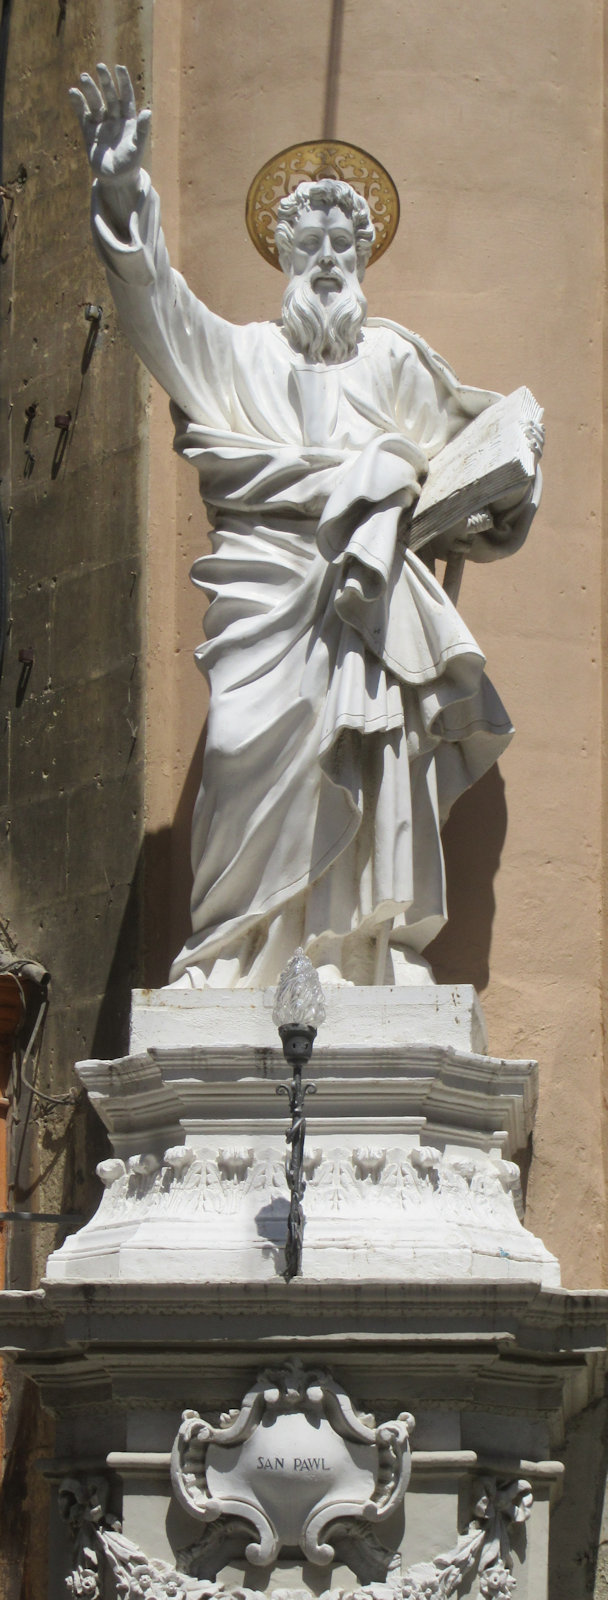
(180, 341)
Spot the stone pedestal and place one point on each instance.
(409, 1155)
(389, 1422)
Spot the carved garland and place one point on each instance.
(100, 1550)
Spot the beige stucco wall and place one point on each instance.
(490, 121)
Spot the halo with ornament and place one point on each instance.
(309, 162)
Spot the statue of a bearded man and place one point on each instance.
(349, 705)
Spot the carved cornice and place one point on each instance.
(454, 1090)
(546, 1319)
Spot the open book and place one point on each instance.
(491, 457)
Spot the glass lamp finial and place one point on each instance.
(299, 997)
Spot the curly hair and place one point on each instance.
(320, 196)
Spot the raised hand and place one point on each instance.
(113, 132)
(535, 435)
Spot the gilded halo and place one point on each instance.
(321, 158)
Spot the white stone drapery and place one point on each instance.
(349, 705)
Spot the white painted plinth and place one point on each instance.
(377, 1018)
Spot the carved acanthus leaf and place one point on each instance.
(358, 1546)
(189, 1183)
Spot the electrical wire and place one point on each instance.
(38, 1028)
(21, 1078)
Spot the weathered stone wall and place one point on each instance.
(74, 504)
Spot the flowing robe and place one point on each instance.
(349, 705)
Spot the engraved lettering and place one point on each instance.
(300, 1464)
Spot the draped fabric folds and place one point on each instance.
(349, 705)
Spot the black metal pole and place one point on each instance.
(297, 1041)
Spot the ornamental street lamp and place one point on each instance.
(298, 1010)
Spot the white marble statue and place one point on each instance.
(349, 705)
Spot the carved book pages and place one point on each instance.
(489, 458)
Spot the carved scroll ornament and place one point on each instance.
(295, 1458)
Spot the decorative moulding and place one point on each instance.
(502, 1343)
(543, 1319)
(146, 1100)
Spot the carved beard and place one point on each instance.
(322, 332)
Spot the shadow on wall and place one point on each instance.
(168, 882)
(473, 838)
(578, 1546)
(155, 920)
